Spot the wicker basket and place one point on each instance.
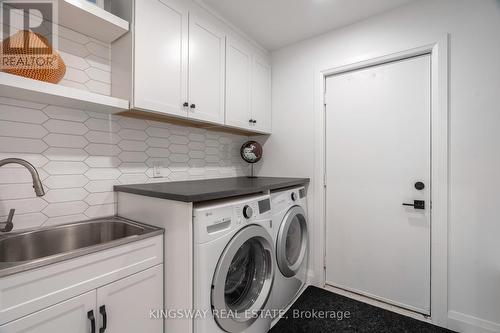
(32, 62)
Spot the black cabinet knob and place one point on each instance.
(254, 121)
(250, 121)
(186, 104)
(91, 317)
(102, 311)
(192, 106)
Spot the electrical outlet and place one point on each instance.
(157, 169)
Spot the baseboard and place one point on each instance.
(377, 303)
(464, 323)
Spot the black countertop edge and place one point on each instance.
(210, 189)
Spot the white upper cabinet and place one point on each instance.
(238, 84)
(261, 95)
(160, 57)
(187, 64)
(206, 71)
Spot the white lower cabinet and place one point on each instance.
(126, 303)
(68, 316)
(110, 291)
(119, 307)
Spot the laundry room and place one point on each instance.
(249, 166)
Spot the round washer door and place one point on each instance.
(243, 279)
(291, 242)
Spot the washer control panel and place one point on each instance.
(252, 210)
(213, 219)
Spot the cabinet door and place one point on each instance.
(127, 303)
(70, 316)
(261, 95)
(238, 84)
(206, 71)
(161, 54)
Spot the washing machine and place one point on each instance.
(290, 236)
(234, 265)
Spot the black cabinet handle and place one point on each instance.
(192, 106)
(254, 121)
(417, 204)
(102, 311)
(90, 316)
(186, 104)
(250, 121)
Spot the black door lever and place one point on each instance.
(417, 204)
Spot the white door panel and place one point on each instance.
(129, 300)
(377, 147)
(261, 95)
(160, 58)
(68, 316)
(206, 71)
(238, 84)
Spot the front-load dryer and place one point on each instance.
(290, 235)
(233, 265)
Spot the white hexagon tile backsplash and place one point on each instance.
(80, 156)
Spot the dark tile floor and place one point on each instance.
(343, 314)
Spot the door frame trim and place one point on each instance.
(438, 50)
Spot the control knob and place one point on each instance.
(247, 212)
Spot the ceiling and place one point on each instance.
(276, 23)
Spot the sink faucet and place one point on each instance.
(37, 185)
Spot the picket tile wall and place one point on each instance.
(80, 155)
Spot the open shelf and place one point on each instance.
(19, 87)
(91, 20)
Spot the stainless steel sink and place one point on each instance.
(39, 247)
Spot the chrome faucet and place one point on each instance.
(37, 185)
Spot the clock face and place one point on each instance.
(251, 151)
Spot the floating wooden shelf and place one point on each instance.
(91, 20)
(139, 114)
(19, 87)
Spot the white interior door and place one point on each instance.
(160, 58)
(238, 84)
(377, 148)
(206, 71)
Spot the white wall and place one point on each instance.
(474, 223)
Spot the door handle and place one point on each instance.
(417, 204)
(102, 311)
(90, 316)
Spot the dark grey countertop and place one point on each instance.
(210, 189)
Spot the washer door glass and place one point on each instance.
(243, 279)
(291, 243)
(246, 276)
